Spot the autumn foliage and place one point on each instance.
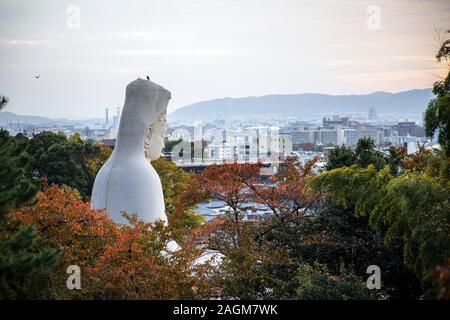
(117, 261)
(318, 234)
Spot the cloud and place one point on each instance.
(18, 42)
(393, 75)
(150, 52)
(126, 35)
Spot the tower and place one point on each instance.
(116, 119)
(106, 116)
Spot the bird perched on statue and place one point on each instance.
(148, 78)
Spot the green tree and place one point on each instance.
(316, 283)
(396, 158)
(363, 155)
(170, 144)
(63, 161)
(19, 255)
(366, 154)
(41, 142)
(76, 137)
(412, 210)
(17, 185)
(437, 115)
(177, 185)
(20, 261)
(341, 156)
(416, 208)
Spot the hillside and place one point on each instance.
(6, 116)
(412, 101)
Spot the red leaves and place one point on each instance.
(64, 221)
(227, 182)
(132, 261)
(241, 186)
(117, 261)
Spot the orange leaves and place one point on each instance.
(64, 221)
(117, 261)
(242, 188)
(232, 174)
(419, 161)
(133, 261)
(226, 182)
(140, 262)
(287, 193)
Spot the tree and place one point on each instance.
(336, 236)
(76, 137)
(63, 161)
(363, 155)
(180, 196)
(396, 159)
(250, 269)
(230, 183)
(286, 193)
(416, 208)
(366, 154)
(341, 156)
(315, 283)
(21, 259)
(437, 115)
(170, 144)
(17, 184)
(19, 255)
(136, 265)
(41, 142)
(255, 269)
(265, 262)
(117, 261)
(66, 223)
(98, 158)
(412, 210)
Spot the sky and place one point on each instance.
(86, 52)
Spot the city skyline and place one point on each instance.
(85, 53)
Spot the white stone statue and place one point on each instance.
(127, 181)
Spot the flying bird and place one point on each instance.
(37, 77)
(148, 78)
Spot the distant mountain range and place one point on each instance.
(411, 101)
(306, 104)
(6, 116)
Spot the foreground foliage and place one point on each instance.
(117, 261)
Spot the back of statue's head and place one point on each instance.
(145, 91)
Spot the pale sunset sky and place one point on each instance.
(87, 51)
